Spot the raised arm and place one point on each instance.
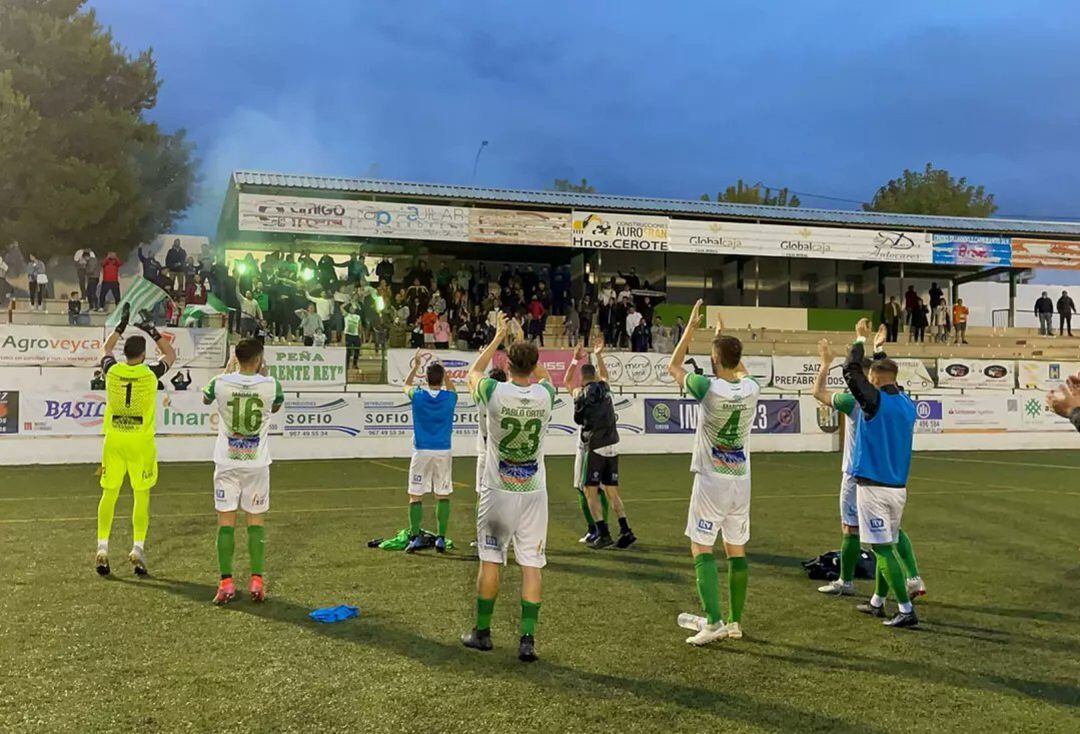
(675, 364)
(598, 352)
(414, 368)
(821, 391)
(479, 367)
(866, 395)
(570, 378)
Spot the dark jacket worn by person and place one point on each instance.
(594, 411)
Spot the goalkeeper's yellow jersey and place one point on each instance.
(130, 400)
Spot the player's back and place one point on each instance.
(244, 405)
(433, 418)
(130, 402)
(517, 422)
(727, 415)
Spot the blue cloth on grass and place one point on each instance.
(329, 615)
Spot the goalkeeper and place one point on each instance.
(131, 399)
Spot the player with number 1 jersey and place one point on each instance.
(245, 400)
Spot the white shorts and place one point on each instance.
(719, 504)
(517, 518)
(430, 471)
(880, 512)
(580, 453)
(849, 506)
(481, 465)
(242, 487)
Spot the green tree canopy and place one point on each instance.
(740, 193)
(565, 184)
(932, 191)
(81, 166)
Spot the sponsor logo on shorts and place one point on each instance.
(490, 541)
(705, 525)
(877, 523)
(219, 493)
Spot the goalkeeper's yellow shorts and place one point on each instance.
(137, 458)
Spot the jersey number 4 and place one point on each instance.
(729, 433)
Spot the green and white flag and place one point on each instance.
(141, 294)
(195, 311)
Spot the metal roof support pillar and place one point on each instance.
(1012, 298)
(757, 281)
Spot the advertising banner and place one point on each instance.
(913, 376)
(799, 373)
(183, 413)
(969, 249)
(390, 414)
(1035, 414)
(979, 414)
(681, 415)
(1045, 375)
(1053, 254)
(631, 370)
(9, 412)
(317, 416)
(62, 413)
(310, 215)
(929, 414)
(618, 231)
(509, 227)
(817, 418)
(457, 364)
(777, 240)
(976, 373)
(80, 346)
(307, 368)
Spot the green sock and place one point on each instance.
(140, 515)
(256, 548)
(226, 544)
(738, 576)
(484, 608)
(894, 574)
(583, 502)
(530, 612)
(849, 557)
(416, 514)
(708, 586)
(442, 515)
(604, 504)
(907, 554)
(881, 584)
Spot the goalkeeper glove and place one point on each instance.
(125, 315)
(147, 325)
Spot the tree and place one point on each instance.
(564, 184)
(82, 167)
(740, 193)
(932, 191)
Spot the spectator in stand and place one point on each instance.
(324, 307)
(250, 313)
(661, 336)
(443, 278)
(936, 296)
(230, 290)
(536, 313)
(306, 262)
(1044, 312)
(892, 319)
(82, 256)
(181, 382)
(559, 285)
(424, 274)
(176, 265)
(544, 294)
(206, 257)
(110, 280)
(571, 324)
(352, 337)
(151, 268)
(939, 318)
(959, 319)
(635, 332)
(401, 309)
(427, 322)
(385, 270)
(74, 308)
(625, 294)
(631, 278)
(911, 300)
(442, 333)
(310, 324)
(919, 321)
(418, 293)
(587, 311)
(438, 303)
(357, 270)
(37, 282)
(92, 268)
(678, 329)
(647, 311)
(1066, 308)
(97, 382)
(619, 336)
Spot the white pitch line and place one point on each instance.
(1002, 463)
(163, 494)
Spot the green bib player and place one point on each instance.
(131, 390)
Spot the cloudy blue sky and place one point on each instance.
(827, 97)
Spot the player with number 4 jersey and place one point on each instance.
(245, 398)
(720, 500)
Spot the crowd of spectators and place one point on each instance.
(930, 317)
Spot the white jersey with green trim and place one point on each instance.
(244, 404)
(517, 420)
(845, 404)
(727, 415)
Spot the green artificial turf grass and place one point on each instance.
(998, 649)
